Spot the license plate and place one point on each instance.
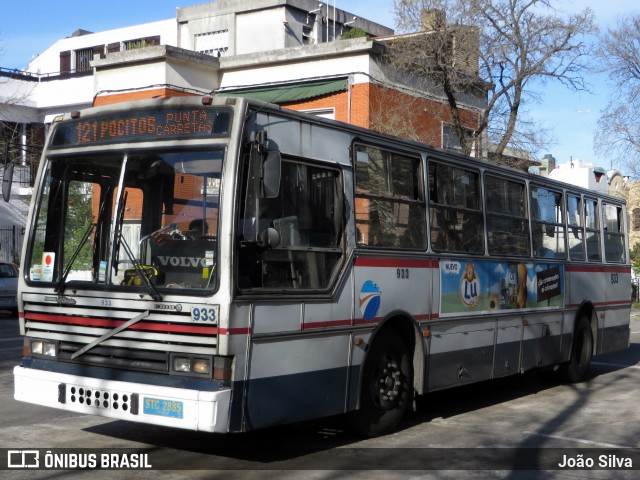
(163, 408)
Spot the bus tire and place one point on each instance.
(386, 388)
(576, 369)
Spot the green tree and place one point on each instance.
(79, 218)
(355, 32)
(635, 258)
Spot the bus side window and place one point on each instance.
(547, 223)
(592, 225)
(575, 235)
(455, 209)
(613, 233)
(307, 215)
(389, 199)
(507, 222)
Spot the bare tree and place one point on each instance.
(618, 133)
(500, 48)
(15, 90)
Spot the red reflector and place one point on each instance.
(222, 368)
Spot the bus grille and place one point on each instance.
(143, 346)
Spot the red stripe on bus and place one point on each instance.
(109, 323)
(235, 331)
(589, 268)
(395, 263)
(326, 324)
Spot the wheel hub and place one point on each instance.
(387, 384)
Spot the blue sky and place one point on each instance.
(28, 27)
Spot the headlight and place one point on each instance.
(49, 349)
(201, 365)
(41, 347)
(181, 364)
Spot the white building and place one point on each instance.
(283, 51)
(589, 175)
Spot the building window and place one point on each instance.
(308, 37)
(450, 140)
(636, 219)
(215, 43)
(329, 113)
(83, 59)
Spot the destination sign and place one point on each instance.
(143, 125)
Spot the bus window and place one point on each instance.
(547, 223)
(80, 219)
(507, 223)
(307, 214)
(613, 233)
(592, 225)
(389, 202)
(455, 214)
(160, 206)
(574, 222)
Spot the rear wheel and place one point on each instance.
(387, 386)
(581, 352)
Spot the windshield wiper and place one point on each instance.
(137, 267)
(63, 280)
(109, 334)
(119, 240)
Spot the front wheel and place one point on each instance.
(581, 352)
(387, 386)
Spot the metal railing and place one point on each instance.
(11, 238)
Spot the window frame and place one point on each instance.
(411, 239)
(492, 215)
(608, 235)
(250, 282)
(546, 225)
(455, 210)
(571, 227)
(597, 230)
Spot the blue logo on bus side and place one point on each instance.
(369, 300)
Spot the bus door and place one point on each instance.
(290, 247)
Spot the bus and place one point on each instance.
(223, 265)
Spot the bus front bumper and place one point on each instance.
(157, 405)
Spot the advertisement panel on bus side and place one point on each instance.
(480, 286)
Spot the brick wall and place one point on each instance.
(372, 106)
(390, 111)
(162, 92)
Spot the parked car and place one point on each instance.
(8, 286)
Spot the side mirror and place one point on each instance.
(269, 237)
(7, 180)
(271, 175)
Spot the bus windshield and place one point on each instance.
(138, 221)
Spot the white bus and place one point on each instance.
(224, 265)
